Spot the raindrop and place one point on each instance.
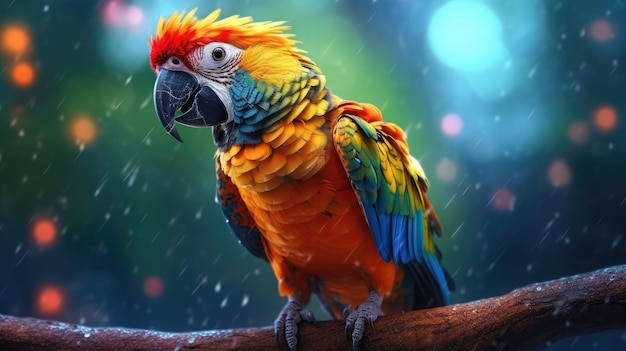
(538, 288)
(99, 189)
(224, 302)
(245, 300)
(202, 282)
(616, 241)
(218, 287)
(172, 221)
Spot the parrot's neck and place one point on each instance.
(293, 147)
(260, 108)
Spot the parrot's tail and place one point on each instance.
(432, 284)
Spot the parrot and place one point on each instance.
(319, 187)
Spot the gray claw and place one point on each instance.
(347, 312)
(287, 322)
(356, 320)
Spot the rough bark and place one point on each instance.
(527, 318)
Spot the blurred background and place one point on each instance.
(513, 107)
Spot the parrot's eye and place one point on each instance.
(218, 54)
(217, 58)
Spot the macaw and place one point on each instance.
(321, 188)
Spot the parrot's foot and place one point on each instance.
(288, 319)
(367, 312)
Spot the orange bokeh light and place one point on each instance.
(44, 232)
(84, 129)
(50, 300)
(23, 74)
(153, 287)
(503, 200)
(15, 39)
(578, 132)
(605, 119)
(559, 174)
(601, 30)
(446, 170)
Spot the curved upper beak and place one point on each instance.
(199, 106)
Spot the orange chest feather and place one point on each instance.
(298, 193)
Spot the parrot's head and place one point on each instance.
(223, 74)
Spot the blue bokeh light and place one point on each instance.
(467, 36)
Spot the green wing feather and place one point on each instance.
(391, 186)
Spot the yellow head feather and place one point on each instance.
(181, 34)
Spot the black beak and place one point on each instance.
(179, 91)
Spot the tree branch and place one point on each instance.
(526, 318)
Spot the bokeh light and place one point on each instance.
(134, 16)
(605, 119)
(466, 36)
(578, 132)
(446, 170)
(15, 39)
(153, 287)
(50, 300)
(83, 129)
(451, 124)
(127, 26)
(22, 74)
(118, 13)
(559, 174)
(112, 12)
(503, 200)
(44, 232)
(601, 30)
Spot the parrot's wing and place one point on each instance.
(391, 186)
(237, 215)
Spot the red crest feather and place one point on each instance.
(181, 34)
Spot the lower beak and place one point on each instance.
(199, 106)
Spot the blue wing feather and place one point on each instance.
(390, 190)
(237, 215)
